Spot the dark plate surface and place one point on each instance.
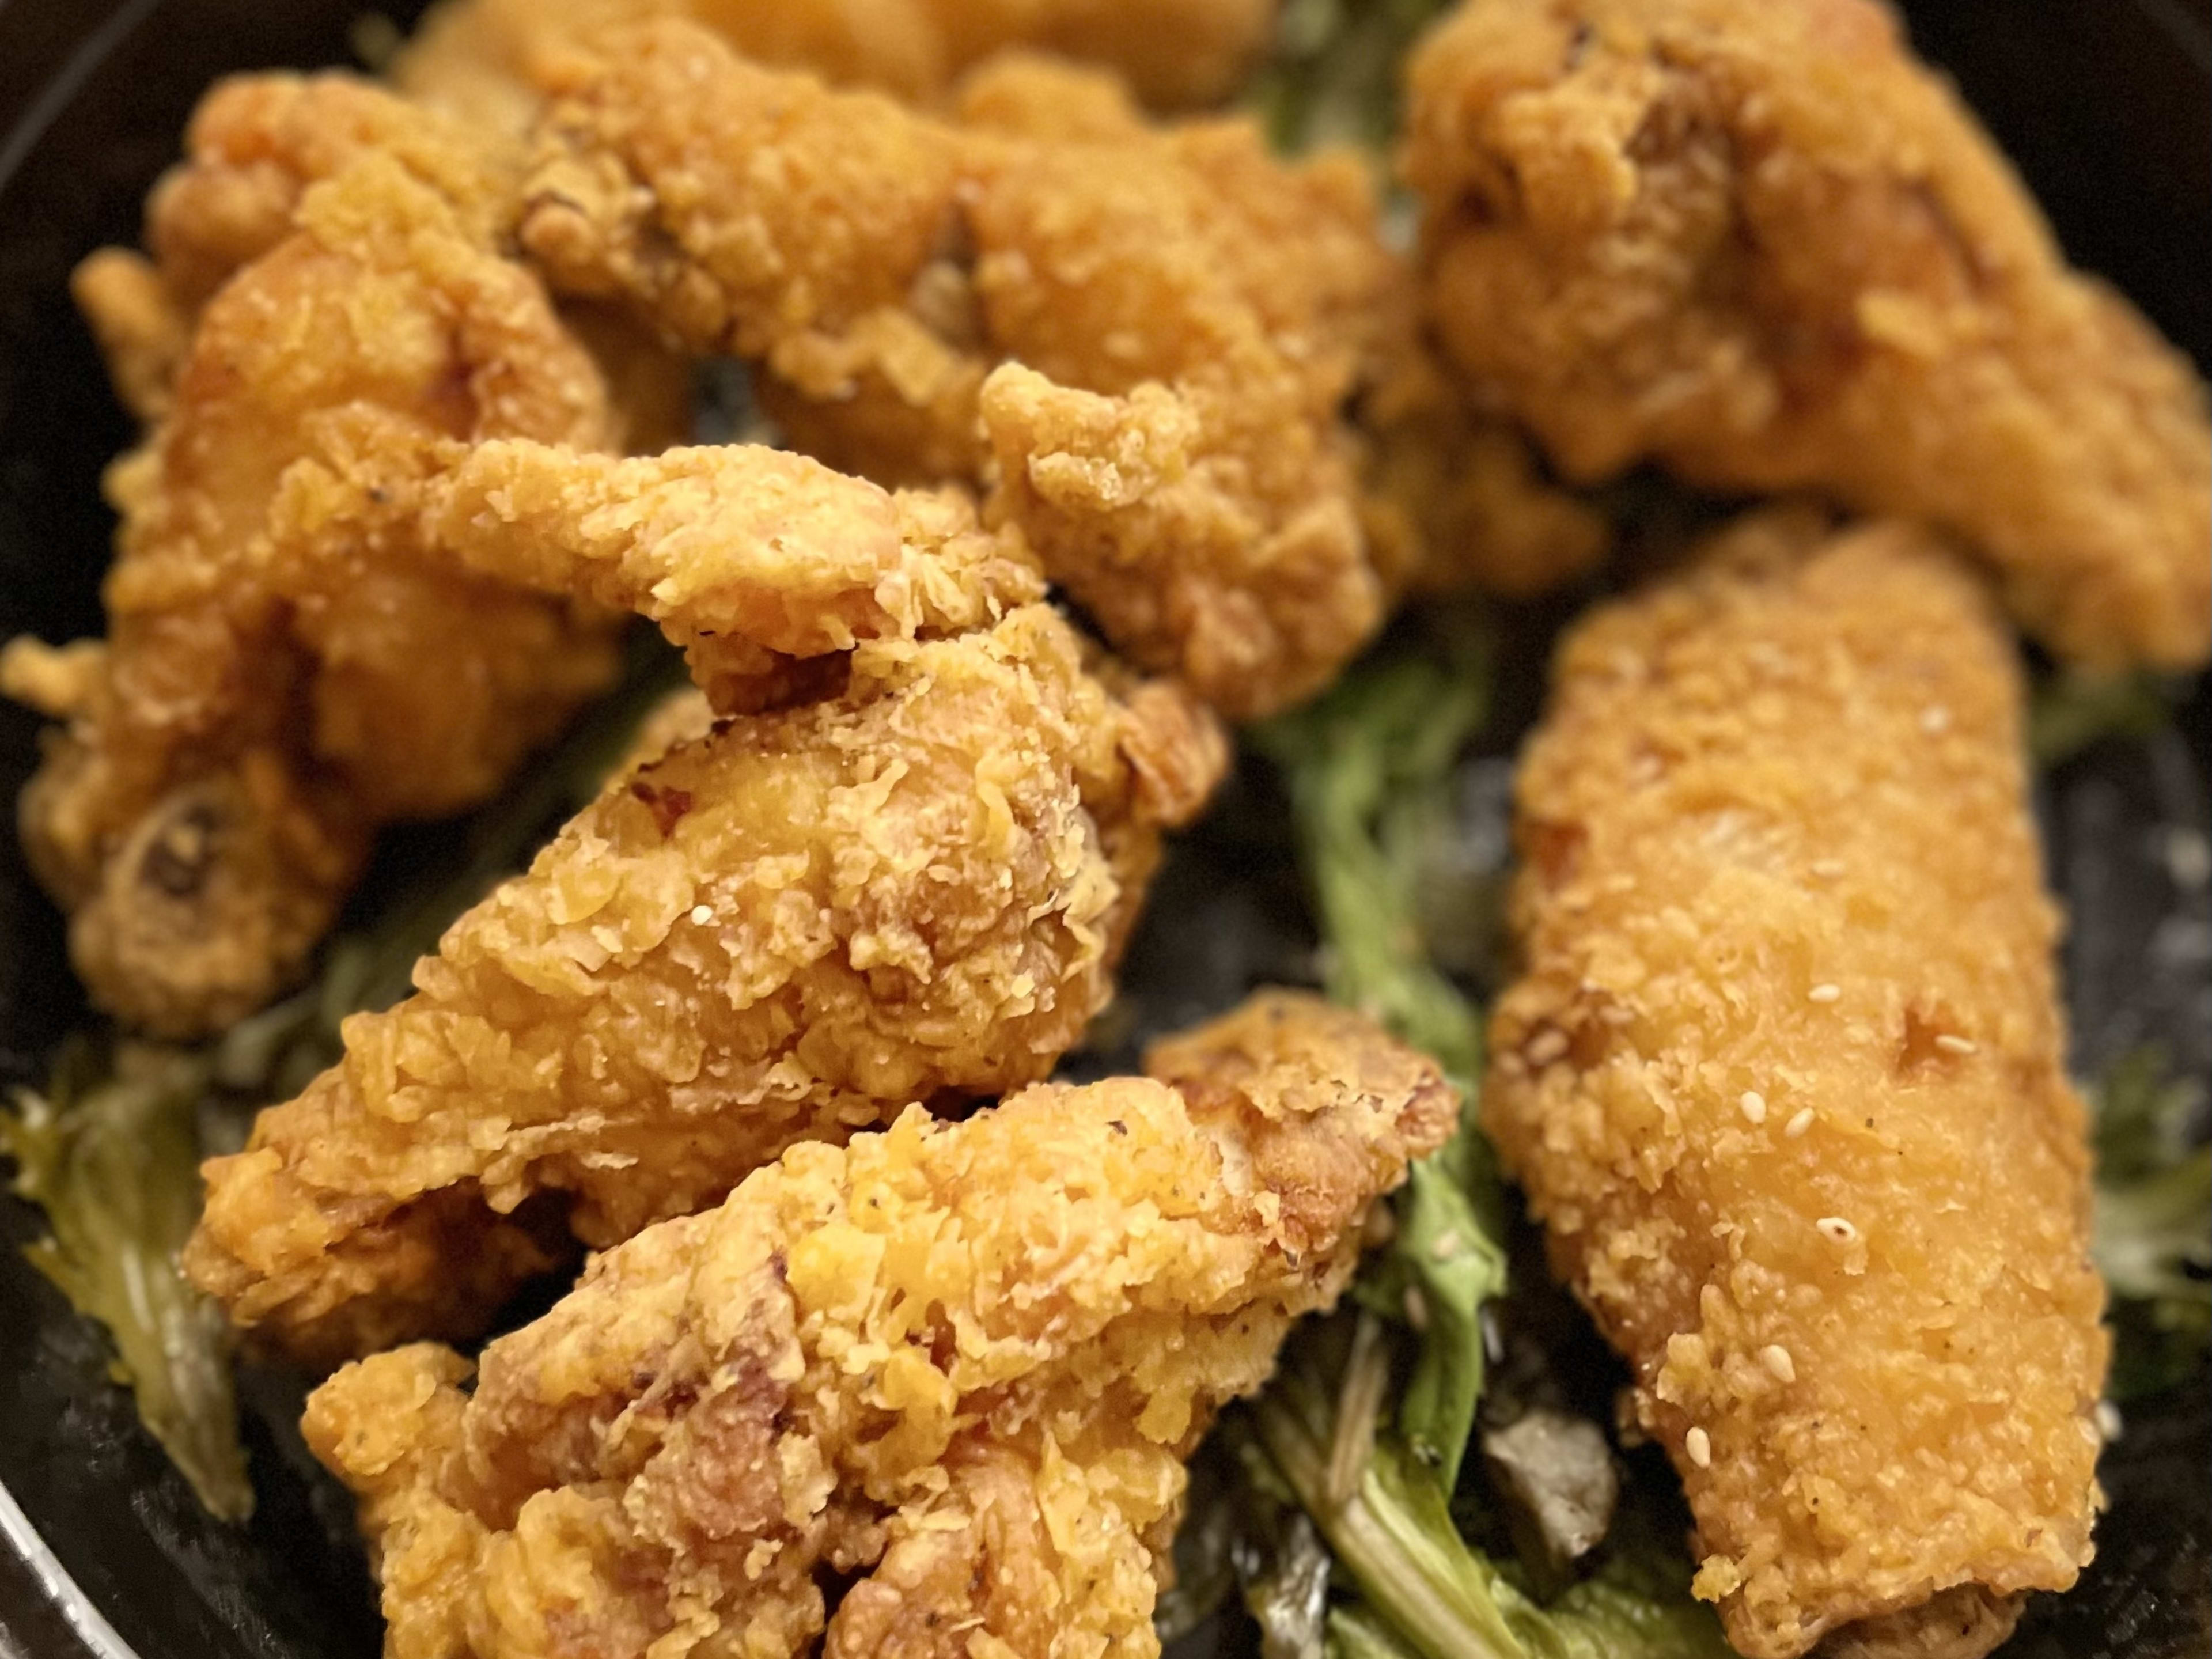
(2107, 107)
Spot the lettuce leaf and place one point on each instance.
(109, 1151)
(1423, 1591)
(2154, 1232)
(1368, 766)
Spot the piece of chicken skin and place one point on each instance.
(1785, 1077)
(1757, 241)
(255, 145)
(265, 699)
(959, 1364)
(786, 930)
(1175, 318)
(475, 59)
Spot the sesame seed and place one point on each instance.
(1700, 1445)
(1799, 1122)
(1955, 1045)
(1827, 869)
(2109, 1422)
(1446, 1246)
(1837, 1231)
(1776, 1359)
(1825, 993)
(1546, 1046)
(1935, 717)
(1755, 1106)
(2088, 1431)
(702, 914)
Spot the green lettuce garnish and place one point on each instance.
(2153, 1237)
(1368, 766)
(109, 1151)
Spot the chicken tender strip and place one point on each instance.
(786, 930)
(1180, 317)
(1761, 244)
(474, 59)
(958, 1363)
(740, 553)
(1783, 1076)
(265, 699)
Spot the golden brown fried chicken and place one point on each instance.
(954, 1367)
(1455, 499)
(475, 59)
(281, 675)
(1755, 240)
(786, 930)
(1784, 1076)
(256, 144)
(744, 556)
(1178, 314)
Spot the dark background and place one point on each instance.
(2106, 105)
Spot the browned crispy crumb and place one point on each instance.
(946, 1373)
(1756, 241)
(1785, 1077)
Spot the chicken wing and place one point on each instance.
(912, 889)
(952, 1368)
(1174, 316)
(265, 699)
(1784, 1076)
(1755, 240)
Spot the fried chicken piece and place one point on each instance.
(956, 1364)
(1760, 243)
(1785, 1077)
(787, 930)
(475, 59)
(1175, 318)
(255, 145)
(742, 555)
(282, 674)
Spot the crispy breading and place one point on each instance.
(786, 930)
(957, 1365)
(256, 144)
(269, 693)
(475, 59)
(740, 554)
(1785, 1077)
(1192, 313)
(1455, 499)
(142, 331)
(1756, 241)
